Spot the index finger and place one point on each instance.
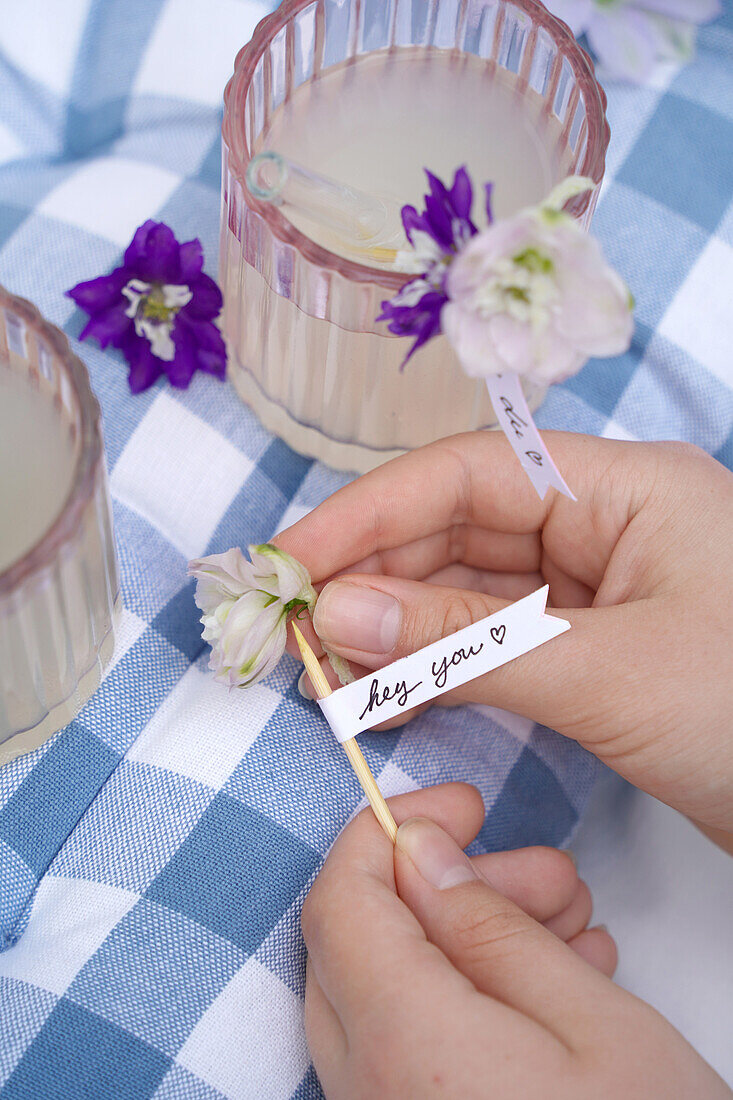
(472, 478)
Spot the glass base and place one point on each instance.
(315, 443)
(66, 711)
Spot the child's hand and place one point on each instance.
(640, 565)
(425, 980)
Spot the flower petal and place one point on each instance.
(180, 370)
(208, 342)
(145, 368)
(108, 327)
(461, 193)
(292, 580)
(625, 42)
(206, 301)
(191, 258)
(688, 11)
(230, 572)
(99, 294)
(153, 253)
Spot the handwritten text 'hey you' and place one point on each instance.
(399, 691)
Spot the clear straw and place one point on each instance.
(364, 223)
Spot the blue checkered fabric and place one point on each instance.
(154, 854)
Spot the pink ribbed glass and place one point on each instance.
(58, 601)
(305, 350)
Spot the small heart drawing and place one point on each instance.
(497, 633)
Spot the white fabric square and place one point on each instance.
(614, 430)
(69, 921)
(180, 474)
(191, 52)
(391, 780)
(698, 319)
(203, 729)
(10, 144)
(291, 515)
(129, 628)
(250, 1043)
(110, 197)
(42, 40)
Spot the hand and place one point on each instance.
(429, 974)
(640, 565)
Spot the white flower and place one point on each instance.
(630, 36)
(153, 309)
(245, 608)
(533, 294)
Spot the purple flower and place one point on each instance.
(158, 308)
(436, 236)
(630, 36)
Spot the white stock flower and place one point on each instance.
(245, 606)
(533, 294)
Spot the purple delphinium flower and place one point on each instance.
(436, 236)
(158, 308)
(629, 36)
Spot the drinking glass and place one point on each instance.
(59, 599)
(305, 349)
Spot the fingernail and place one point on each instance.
(356, 617)
(436, 855)
(303, 683)
(572, 857)
(599, 928)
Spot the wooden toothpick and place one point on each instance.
(354, 753)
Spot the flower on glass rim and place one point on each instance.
(245, 607)
(533, 294)
(629, 36)
(436, 237)
(158, 308)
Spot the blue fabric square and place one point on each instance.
(23, 1010)
(435, 748)
(684, 159)
(179, 1084)
(78, 1055)
(298, 789)
(147, 590)
(236, 873)
(725, 453)
(602, 381)
(180, 623)
(17, 887)
(251, 517)
(180, 967)
(210, 170)
(309, 1088)
(671, 396)
(284, 467)
(513, 821)
(566, 410)
(38, 817)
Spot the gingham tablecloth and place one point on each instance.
(154, 854)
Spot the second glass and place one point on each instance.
(370, 93)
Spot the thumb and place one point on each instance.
(494, 943)
(567, 684)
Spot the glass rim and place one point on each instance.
(91, 451)
(235, 140)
